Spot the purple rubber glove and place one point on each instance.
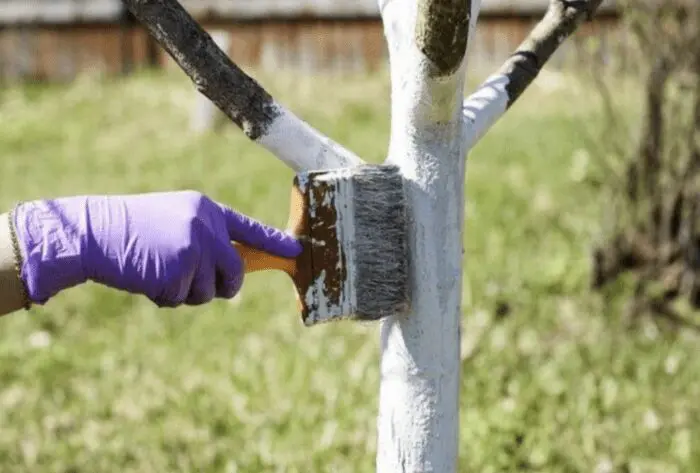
(174, 248)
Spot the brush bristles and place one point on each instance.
(370, 235)
(380, 250)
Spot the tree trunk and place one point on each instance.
(419, 395)
(418, 424)
(420, 367)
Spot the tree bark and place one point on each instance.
(418, 422)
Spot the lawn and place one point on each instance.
(98, 381)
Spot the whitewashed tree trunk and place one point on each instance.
(432, 130)
(418, 422)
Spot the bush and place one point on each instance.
(656, 180)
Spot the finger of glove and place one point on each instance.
(178, 288)
(203, 288)
(171, 300)
(229, 270)
(203, 291)
(246, 230)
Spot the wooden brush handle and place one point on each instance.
(298, 269)
(258, 260)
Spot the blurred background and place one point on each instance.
(580, 327)
(60, 39)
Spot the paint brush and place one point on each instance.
(352, 225)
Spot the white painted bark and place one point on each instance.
(483, 108)
(301, 147)
(418, 422)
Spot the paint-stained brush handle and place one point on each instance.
(258, 260)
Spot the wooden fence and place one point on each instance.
(58, 52)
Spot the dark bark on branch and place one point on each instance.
(239, 96)
(442, 31)
(562, 18)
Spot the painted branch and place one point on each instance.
(239, 96)
(489, 102)
(418, 423)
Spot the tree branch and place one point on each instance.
(490, 101)
(239, 96)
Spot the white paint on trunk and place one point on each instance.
(482, 109)
(418, 423)
(302, 147)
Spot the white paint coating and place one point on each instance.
(418, 423)
(302, 147)
(482, 109)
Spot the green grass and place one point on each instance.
(98, 381)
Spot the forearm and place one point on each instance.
(11, 289)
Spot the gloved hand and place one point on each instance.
(174, 247)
